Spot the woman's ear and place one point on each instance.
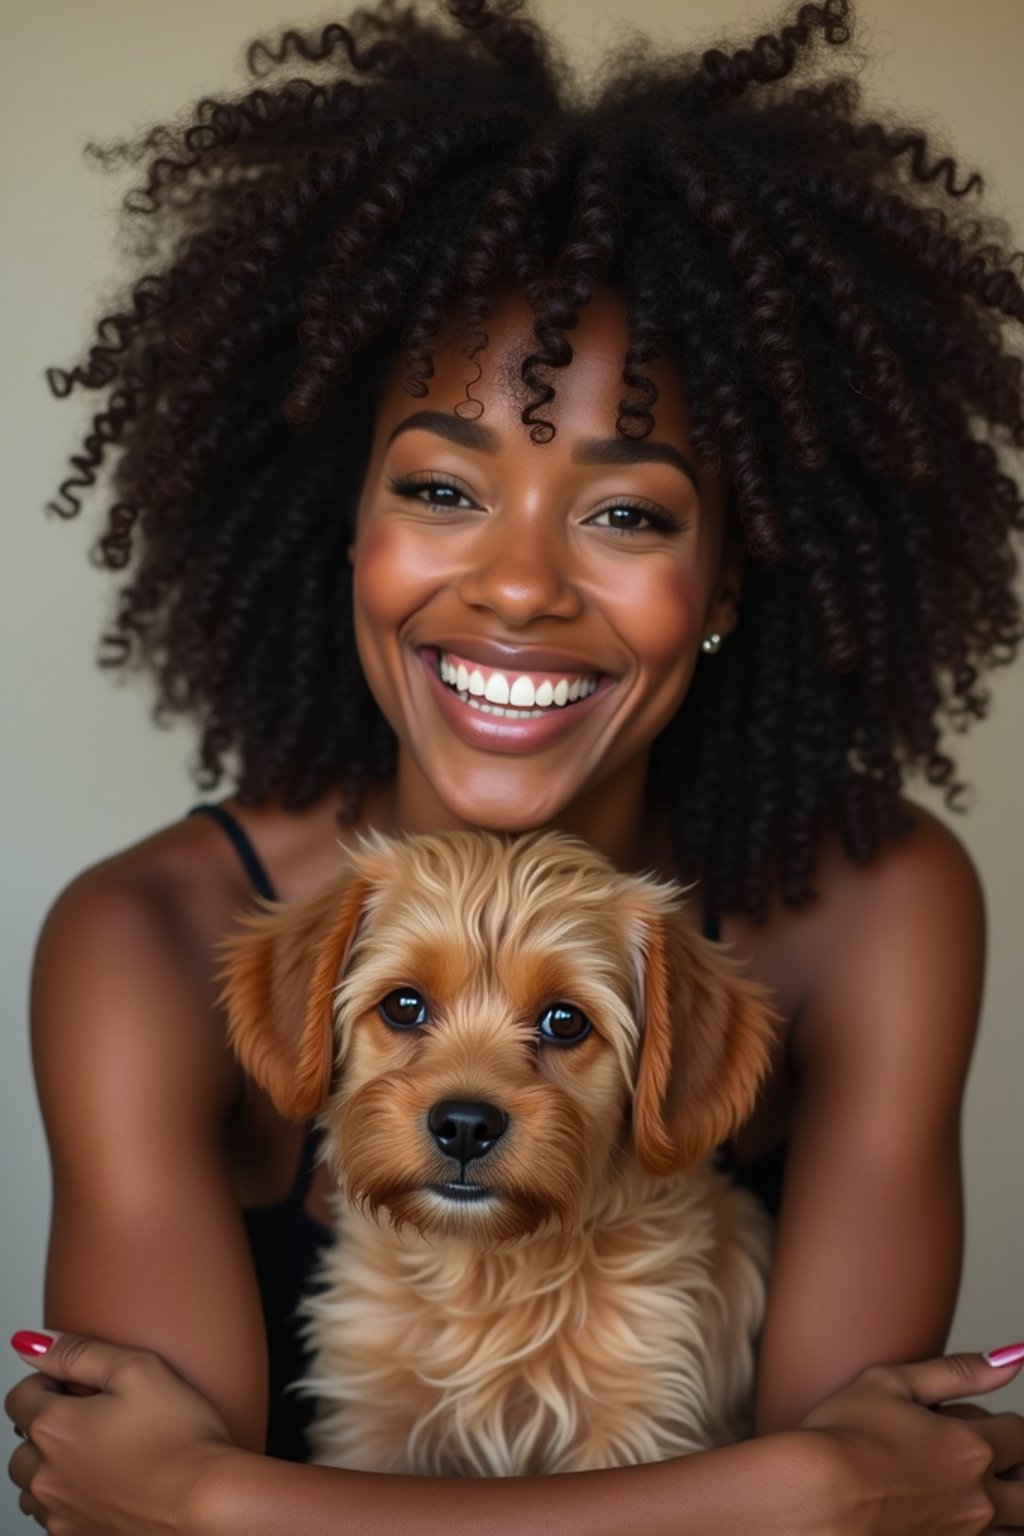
(279, 979)
(707, 1035)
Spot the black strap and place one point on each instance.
(307, 1164)
(251, 861)
(253, 866)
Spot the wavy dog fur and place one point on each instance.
(599, 1305)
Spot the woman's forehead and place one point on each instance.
(588, 393)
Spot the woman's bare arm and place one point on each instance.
(147, 1245)
(868, 1256)
(145, 1455)
(785, 1485)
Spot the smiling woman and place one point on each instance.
(489, 452)
(585, 568)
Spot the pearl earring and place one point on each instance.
(711, 644)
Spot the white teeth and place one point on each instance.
(496, 709)
(521, 694)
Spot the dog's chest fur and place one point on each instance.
(635, 1344)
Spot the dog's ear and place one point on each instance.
(706, 1041)
(279, 978)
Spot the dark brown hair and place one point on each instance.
(838, 303)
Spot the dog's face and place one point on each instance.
(482, 1025)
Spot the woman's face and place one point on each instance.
(529, 616)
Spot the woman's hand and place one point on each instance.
(906, 1469)
(120, 1461)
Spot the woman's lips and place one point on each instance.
(521, 731)
(478, 650)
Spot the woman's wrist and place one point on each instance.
(213, 1499)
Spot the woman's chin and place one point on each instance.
(505, 808)
(504, 818)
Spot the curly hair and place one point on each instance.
(841, 326)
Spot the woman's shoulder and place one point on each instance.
(157, 908)
(929, 860)
(894, 927)
(186, 881)
(125, 969)
(923, 882)
(920, 893)
(168, 890)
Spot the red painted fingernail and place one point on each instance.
(1010, 1354)
(28, 1343)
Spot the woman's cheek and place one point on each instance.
(667, 626)
(392, 581)
(660, 615)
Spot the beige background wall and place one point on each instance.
(83, 769)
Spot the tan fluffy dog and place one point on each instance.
(522, 1060)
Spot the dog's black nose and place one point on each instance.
(465, 1130)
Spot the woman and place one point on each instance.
(672, 394)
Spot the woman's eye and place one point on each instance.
(627, 518)
(403, 1008)
(433, 493)
(563, 1024)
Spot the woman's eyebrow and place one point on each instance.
(623, 450)
(594, 450)
(467, 434)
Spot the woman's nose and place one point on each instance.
(521, 575)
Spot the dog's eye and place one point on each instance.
(563, 1024)
(403, 1009)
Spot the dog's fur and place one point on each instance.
(601, 1307)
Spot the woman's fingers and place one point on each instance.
(78, 1361)
(26, 1398)
(1004, 1432)
(23, 1463)
(1008, 1504)
(21, 1469)
(963, 1411)
(931, 1382)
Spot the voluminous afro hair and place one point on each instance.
(836, 299)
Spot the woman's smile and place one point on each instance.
(529, 615)
(512, 709)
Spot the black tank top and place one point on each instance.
(763, 1175)
(286, 1241)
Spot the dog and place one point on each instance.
(522, 1060)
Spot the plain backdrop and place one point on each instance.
(84, 769)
